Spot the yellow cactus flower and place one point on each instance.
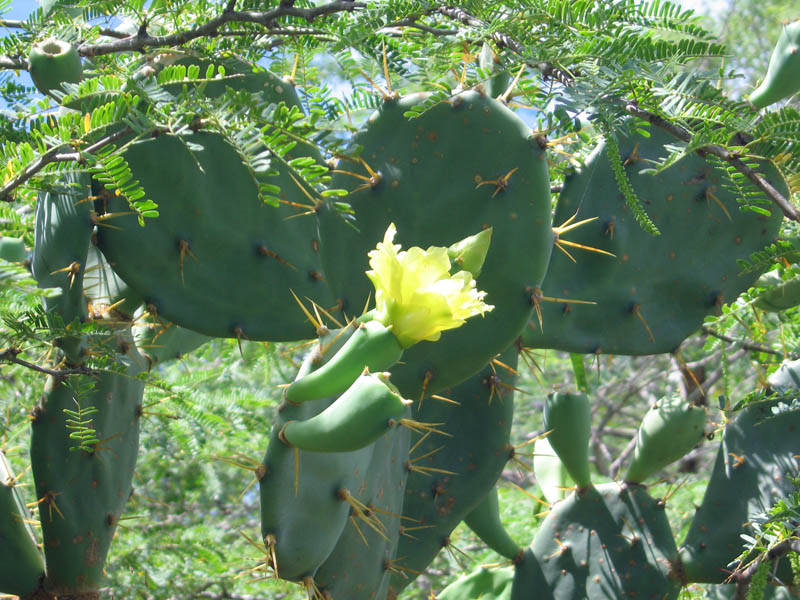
(415, 293)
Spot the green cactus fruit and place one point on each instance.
(54, 62)
(783, 73)
(306, 497)
(551, 475)
(365, 557)
(224, 273)
(371, 346)
(449, 476)
(160, 341)
(780, 294)
(568, 418)
(469, 253)
(669, 430)
(368, 409)
(21, 565)
(63, 230)
(604, 542)
(483, 583)
(83, 463)
(787, 377)
(656, 290)
(13, 249)
(426, 176)
(484, 521)
(756, 459)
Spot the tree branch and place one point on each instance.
(211, 28)
(56, 155)
(734, 160)
(10, 356)
(16, 64)
(753, 347)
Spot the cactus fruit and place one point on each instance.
(608, 541)
(21, 565)
(449, 476)
(83, 486)
(371, 345)
(656, 290)
(484, 521)
(369, 408)
(468, 163)
(669, 430)
(551, 476)
(54, 62)
(483, 583)
(783, 73)
(12, 249)
(757, 456)
(568, 418)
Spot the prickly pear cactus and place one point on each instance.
(21, 565)
(449, 475)
(320, 509)
(64, 225)
(669, 430)
(757, 455)
(655, 290)
(84, 443)
(783, 73)
(483, 583)
(466, 164)
(215, 247)
(607, 542)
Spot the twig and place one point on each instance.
(731, 158)
(142, 39)
(774, 554)
(56, 155)
(16, 64)
(10, 356)
(12, 23)
(753, 347)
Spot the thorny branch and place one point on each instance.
(10, 356)
(744, 577)
(57, 154)
(753, 347)
(731, 158)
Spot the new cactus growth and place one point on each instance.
(486, 584)
(551, 475)
(669, 430)
(21, 565)
(484, 521)
(568, 418)
(783, 73)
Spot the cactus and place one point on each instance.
(82, 485)
(551, 475)
(783, 73)
(568, 418)
(484, 521)
(21, 565)
(12, 249)
(483, 583)
(427, 176)
(608, 541)
(655, 290)
(755, 459)
(450, 475)
(780, 294)
(669, 430)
